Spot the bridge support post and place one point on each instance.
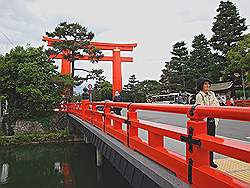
(99, 160)
(86, 140)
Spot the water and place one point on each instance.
(54, 166)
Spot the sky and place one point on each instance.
(154, 25)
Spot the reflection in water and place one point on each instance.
(57, 167)
(54, 166)
(4, 173)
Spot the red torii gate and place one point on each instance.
(116, 59)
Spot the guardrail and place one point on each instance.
(195, 167)
(242, 102)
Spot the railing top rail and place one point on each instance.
(181, 109)
(117, 104)
(98, 103)
(228, 112)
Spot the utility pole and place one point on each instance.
(243, 84)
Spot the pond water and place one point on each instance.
(56, 165)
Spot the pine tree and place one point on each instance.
(165, 78)
(201, 62)
(174, 76)
(76, 39)
(239, 61)
(228, 27)
(130, 90)
(132, 82)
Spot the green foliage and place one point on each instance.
(102, 91)
(132, 82)
(34, 138)
(202, 62)
(181, 71)
(238, 57)
(76, 42)
(175, 75)
(30, 83)
(77, 97)
(3, 98)
(76, 39)
(129, 92)
(228, 27)
(94, 75)
(145, 89)
(136, 91)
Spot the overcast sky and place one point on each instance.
(154, 25)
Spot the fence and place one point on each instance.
(194, 168)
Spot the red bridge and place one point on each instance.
(193, 169)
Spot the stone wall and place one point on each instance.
(24, 126)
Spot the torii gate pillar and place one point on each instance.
(117, 71)
(65, 65)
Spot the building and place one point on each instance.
(223, 91)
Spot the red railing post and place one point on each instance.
(196, 154)
(132, 131)
(199, 155)
(94, 109)
(107, 121)
(155, 140)
(84, 108)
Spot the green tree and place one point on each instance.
(136, 91)
(76, 40)
(30, 83)
(202, 62)
(130, 91)
(132, 82)
(239, 56)
(228, 27)
(164, 80)
(174, 75)
(146, 89)
(102, 91)
(238, 59)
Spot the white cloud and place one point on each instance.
(154, 25)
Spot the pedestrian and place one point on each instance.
(228, 101)
(207, 97)
(117, 98)
(232, 101)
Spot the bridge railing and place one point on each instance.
(194, 168)
(242, 102)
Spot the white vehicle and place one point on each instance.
(172, 98)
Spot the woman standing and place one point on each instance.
(207, 97)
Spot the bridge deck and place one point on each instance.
(136, 168)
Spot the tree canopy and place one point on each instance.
(228, 27)
(239, 57)
(174, 76)
(136, 91)
(76, 38)
(76, 42)
(30, 82)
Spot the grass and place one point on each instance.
(35, 138)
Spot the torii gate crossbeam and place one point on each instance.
(116, 59)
